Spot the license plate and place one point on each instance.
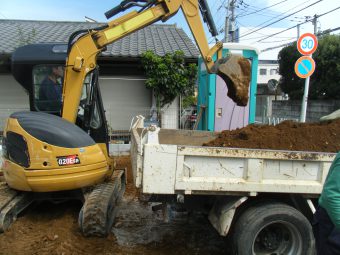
(68, 160)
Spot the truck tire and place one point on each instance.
(273, 228)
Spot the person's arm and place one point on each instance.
(331, 193)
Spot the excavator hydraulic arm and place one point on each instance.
(84, 48)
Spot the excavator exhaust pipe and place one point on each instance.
(235, 71)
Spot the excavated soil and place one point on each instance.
(51, 229)
(236, 74)
(288, 135)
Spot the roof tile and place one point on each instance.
(159, 38)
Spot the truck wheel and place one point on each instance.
(273, 228)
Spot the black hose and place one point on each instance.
(205, 10)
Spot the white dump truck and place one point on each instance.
(263, 200)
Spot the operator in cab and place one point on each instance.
(51, 86)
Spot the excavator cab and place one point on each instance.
(35, 65)
(31, 67)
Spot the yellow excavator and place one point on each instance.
(59, 150)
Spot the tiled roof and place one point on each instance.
(158, 37)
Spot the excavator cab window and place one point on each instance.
(47, 87)
(88, 108)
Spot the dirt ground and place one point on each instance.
(48, 228)
(53, 229)
(288, 135)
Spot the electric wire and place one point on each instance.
(261, 9)
(327, 31)
(308, 20)
(258, 29)
(3, 15)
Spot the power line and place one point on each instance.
(261, 9)
(214, 5)
(287, 11)
(263, 23)
(308, 20)
(3, 15)
(289, 39)
(271, 15)
(327, 31)
(271, 11)
(257, 37)
(282, 18)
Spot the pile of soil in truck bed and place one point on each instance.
(288, 135)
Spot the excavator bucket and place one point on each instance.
(235, 71)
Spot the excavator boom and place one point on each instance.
(235, 70)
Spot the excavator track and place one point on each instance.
(98, 212)
(11, 204)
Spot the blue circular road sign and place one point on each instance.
(304, 67)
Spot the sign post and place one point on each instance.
(305, 66)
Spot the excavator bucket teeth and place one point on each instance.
(235, 71)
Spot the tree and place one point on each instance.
(168, 76)
(324, 83)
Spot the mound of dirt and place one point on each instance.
(288, 135)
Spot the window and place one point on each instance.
(86, 97)
(47, 90)
(47, 87)
(263, 71)
(273, 71)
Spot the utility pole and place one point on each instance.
(227, 24)
(315, 23)
(232, 20)
(298, 31)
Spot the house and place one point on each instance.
(268, 89)
(122, 79)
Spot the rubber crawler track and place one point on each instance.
(98, 212)
(6, 195)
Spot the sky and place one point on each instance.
(251, 15)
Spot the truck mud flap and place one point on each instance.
(223, 211)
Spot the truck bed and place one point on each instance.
(180, 165)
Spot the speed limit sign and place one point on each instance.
(307, 44)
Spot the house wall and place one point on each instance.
(13, 97)
(271, 73)
(124, 97)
